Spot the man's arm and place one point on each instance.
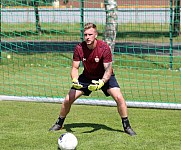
(75, 69)
(108, 71)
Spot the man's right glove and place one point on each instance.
(76, 84)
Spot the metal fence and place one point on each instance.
(136, 15)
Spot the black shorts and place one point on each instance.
(111, 83)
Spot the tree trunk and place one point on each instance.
(111, 23)
(37, 17)
(177, 18)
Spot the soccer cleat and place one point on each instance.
(129, 131)
(55, 127)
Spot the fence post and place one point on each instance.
(81, 20)
(171, 34)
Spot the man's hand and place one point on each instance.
(97, 85)
(76, 84)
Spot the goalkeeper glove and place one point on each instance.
(76, 84)
(97, 85)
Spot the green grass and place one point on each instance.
(24, 126)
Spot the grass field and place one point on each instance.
(24, 126)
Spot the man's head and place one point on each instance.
(90, 34)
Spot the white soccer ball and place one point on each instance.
(67, 141)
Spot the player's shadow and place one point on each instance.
(94, 126)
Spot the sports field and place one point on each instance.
(24, 126)
(147, 65)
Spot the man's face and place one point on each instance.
(90, 36)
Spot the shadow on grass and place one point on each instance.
(96, 127)
(141, 34)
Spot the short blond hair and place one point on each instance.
(90, 25)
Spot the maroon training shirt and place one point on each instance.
(93, 59)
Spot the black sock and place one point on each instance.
(60, 121)
(125, 122)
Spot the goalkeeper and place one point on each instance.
(96, 58)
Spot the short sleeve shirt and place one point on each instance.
(93, 60)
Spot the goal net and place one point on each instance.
(38, 38)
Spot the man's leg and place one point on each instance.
(122, 109)
(65, 108)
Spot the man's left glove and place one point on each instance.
(76, 84)
(97, 85)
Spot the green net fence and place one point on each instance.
(38, 38)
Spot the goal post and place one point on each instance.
(94, 102)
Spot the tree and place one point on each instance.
(111, 23)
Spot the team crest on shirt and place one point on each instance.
(96, 59)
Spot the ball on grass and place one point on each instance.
(67, 141)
